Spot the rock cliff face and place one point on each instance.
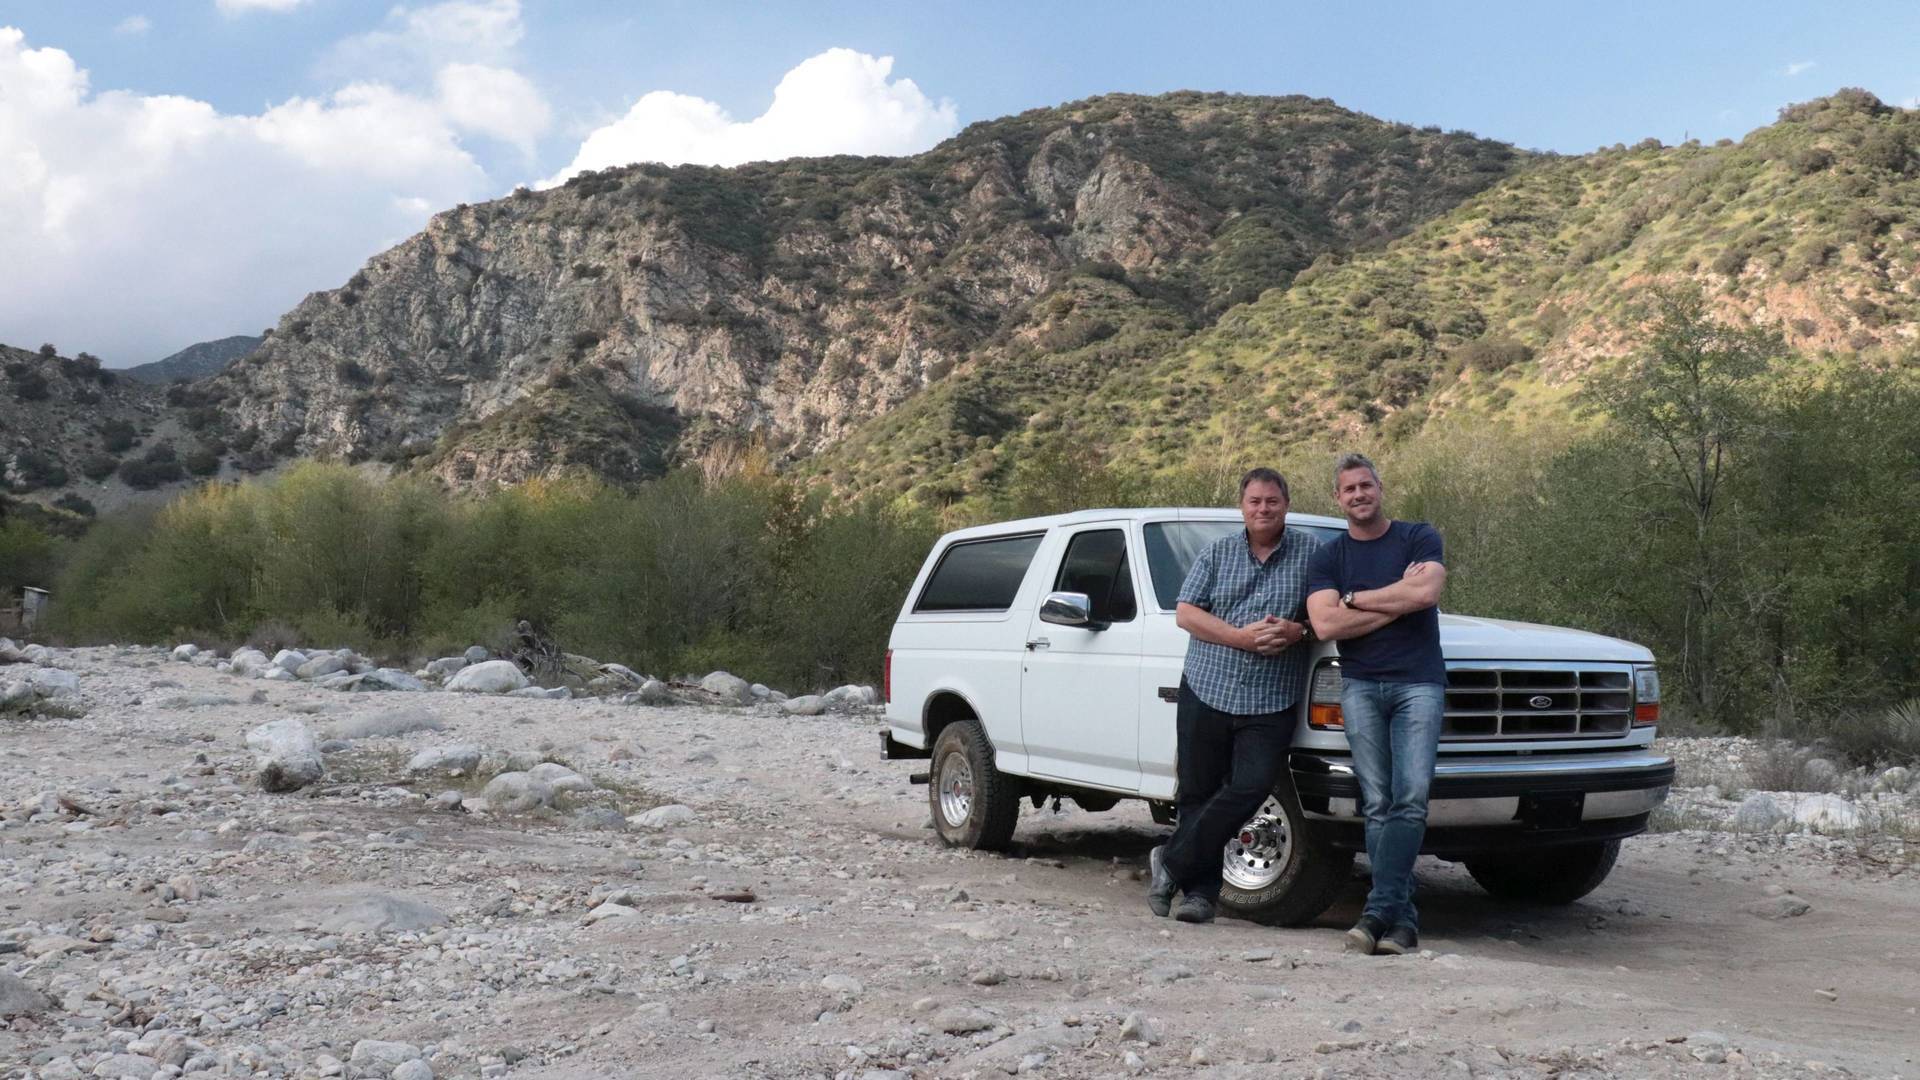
(643, 315)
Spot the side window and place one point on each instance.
(979, 575)
(1096, 564)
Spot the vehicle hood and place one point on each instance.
(1463, 637)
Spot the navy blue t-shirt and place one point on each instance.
(1408, 648)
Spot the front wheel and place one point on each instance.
(1276, 869)
(1557, 875)
(974, 804)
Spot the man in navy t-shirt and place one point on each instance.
(1375, 591)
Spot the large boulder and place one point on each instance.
(731, 689)
(477, 654)
(848, 698)
(1826, 813)
(53, 682)
(289, 660)
(16, 695)
(385, 678)
(287, 757)
(324, 664)
(516, 792)
(559, 777)
(445, 666)
(446, 759)
(248, 663)
(1758, 813)
(489, 677)
(186, 652)
(804, 705)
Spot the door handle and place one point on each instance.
(1039, 643)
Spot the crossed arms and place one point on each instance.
(1418, 589)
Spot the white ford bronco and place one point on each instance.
(1039, 659)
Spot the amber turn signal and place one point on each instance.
(1325, 716)
(1646, 714)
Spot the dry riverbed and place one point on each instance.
(160, 914)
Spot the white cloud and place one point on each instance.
(241, 7)
(133, 26)
(839, 102)
(1800, 67)
(497, 102)
(136, 224)
(429, 38)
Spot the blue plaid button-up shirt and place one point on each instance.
(1227, 581)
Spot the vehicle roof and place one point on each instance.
(1145, 513)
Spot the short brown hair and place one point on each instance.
(1352, 461)
(1263, 475)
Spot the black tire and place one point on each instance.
(974, 805)
(1555, 875)
(1299, 882)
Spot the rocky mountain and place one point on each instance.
(1157, 277)
(646, 314)
(196, 361)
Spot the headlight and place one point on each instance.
(1646, 697)
(1323, 699)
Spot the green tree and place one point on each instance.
(1692, 398)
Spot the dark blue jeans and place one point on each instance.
(1394, 730)
(1226, 764)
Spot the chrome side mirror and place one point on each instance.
(1069, 609)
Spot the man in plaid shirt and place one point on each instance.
(1244, 603)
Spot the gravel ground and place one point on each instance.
(163, 915)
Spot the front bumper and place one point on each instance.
(1481, 803)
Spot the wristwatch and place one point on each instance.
(1346, 599)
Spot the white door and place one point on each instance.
(1080, 691)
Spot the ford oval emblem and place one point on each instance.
(1540, 701)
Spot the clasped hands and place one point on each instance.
(1272, 635)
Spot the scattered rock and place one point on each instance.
(805, 705)
(559, 777)
(372, 1057)
(1784, 906)
(446, 759)
(841, 983)
(324, 664)
(1758, 813)
(412, 1070)
(19, 999)
(1140, 1029)
(601, 818)
(730, 689)
(963, 1020)
(476, 654)
(381, 914)
(388, 679)
(663, 817)
(488, 677)
(185, 653)
(386, 724)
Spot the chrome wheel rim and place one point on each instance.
(1257, 855)
(956, 789)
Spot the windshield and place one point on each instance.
(1173, 545)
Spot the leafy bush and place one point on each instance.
(159, 465)
(30, 385)
(38, 470)
(118, 436)
(79, 505)
(98, 466)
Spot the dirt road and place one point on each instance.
(802, 921)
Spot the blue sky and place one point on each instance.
(298, 137)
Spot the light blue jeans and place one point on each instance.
(1394, 730)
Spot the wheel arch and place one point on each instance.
(946, 707)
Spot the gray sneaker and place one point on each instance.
(1399, 941)
(1161, 888)
(1195, 909)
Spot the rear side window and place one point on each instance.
(979, 575)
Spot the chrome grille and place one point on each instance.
(1537, 703)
